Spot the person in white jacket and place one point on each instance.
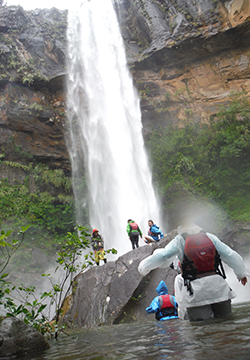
(207, 295)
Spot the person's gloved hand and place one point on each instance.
(154, 306)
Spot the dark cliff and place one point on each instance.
(186, 56)
(32, 86)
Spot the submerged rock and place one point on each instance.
(18, 339)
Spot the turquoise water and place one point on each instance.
(227, 338)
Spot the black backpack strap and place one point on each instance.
(187, 283)
(220, 269)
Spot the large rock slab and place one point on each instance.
(116, 292)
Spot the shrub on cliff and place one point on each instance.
(48, 203)
(210, 160)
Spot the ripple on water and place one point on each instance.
(227, 338)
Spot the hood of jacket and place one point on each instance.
(154, 227)
(162, 288)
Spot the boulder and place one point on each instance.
(18, 339)
(116, 292)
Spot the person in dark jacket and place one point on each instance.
(134, 232)
(154, 233)
(97, 243)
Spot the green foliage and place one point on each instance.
(37, 107)
(168, 96)
(55, 177)
(209, 159)
(22, 301)
(54, 212)
(39, 207)
(30, 311)
(28, 78)
(18, 149)
(8, 247)
(144, 93)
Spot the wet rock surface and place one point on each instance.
(115, 292)
(18, 339)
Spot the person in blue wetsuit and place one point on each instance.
(164, 305)
(154, 233)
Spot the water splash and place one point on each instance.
(105, 126)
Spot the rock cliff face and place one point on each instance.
(32, 86)
(187, 56)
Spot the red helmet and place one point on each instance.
(94, 230)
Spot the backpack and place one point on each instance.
(134, 227)
(200, 258)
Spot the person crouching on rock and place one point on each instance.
(164, 306)
(97, 243)
(154, 233)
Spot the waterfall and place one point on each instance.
(105, 126)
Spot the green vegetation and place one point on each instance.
(18, 150)
(36, 203)
(23, 302)
(8, 247)
(207, 160)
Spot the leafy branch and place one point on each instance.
(73, 258)
(9, 247)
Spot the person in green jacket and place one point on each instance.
(133, 231)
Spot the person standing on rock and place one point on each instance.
(97, 243)
(134, 232)
(154, 233)
(201, 290)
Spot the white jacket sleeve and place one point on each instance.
(230, 257)
(161, 258)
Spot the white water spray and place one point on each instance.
(105, 125)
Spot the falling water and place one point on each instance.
(105, 126)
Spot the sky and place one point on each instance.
(38, 4)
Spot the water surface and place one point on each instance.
(227, 338)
